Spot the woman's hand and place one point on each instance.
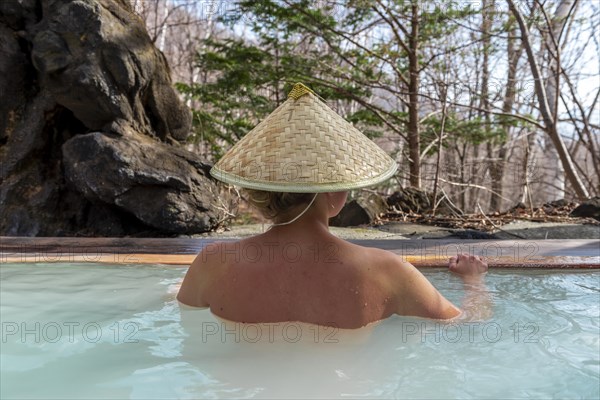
(467, 265)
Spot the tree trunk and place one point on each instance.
(498, 167)
(486, 23)
(163, 28)
(552, 87)
(548, 113)
(413, 89)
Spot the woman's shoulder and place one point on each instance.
(201, 276)
(380, 256)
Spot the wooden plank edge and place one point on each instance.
(546, 262)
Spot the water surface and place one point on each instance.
(83, 331)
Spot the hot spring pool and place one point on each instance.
(87, 331)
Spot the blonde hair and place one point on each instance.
(274, 204)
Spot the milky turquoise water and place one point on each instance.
(75, 331)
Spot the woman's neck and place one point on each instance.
(305, 226)
(313, 221)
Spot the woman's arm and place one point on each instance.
(416, 296)
(477, 304)
(200, 277)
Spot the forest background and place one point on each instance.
(485, 103)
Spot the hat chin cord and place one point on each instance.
(298, 216)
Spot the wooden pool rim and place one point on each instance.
(423, 253)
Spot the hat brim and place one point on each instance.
(300, 187)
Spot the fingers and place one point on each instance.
(452, 262)
(470, 257)
(465, 263)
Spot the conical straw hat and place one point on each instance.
(304, 147)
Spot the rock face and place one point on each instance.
(90, 125)
(165, 188)
(589, 208)
(363, 210)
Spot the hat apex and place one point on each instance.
(299, 90)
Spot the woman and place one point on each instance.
(297, 166)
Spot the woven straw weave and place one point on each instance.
(304, 147)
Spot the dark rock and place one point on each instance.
(471, 234)
(588, 209)
(71, 67)
(409, 229)
(97, 60)
(17, 14)
(558, 203)
(517, 207)
(351, 215)
(363, 210)
(164, 189)
(12, 81)
(50, 54)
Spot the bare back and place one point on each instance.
(318, 280)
